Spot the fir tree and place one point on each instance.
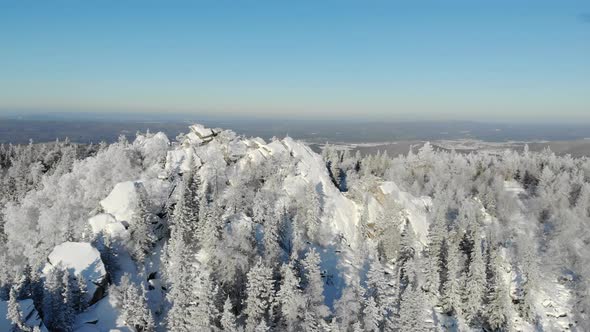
(451, 294)
(14, 313)
(290, 298)
(140, 228)
(314, 285)
(475, 284)
(228, 319)
(260, 296)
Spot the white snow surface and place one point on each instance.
(415, 207)
(99, 222)
(79, 258)
(28, 312)
(201, 131)
(122, 200)
(340, 214)
(103, 316)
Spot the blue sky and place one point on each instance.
(375, 60)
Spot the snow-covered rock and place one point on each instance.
(201, 131)
(182, 160)
(116, 230)
(340, 214)
(80, 258)
(99, 222)
(28, 312)
(122, 200)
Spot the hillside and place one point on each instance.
(214, 231)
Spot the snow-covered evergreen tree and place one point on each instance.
(134, 309)
(53, 301)
(290, 298)
(475, 283)
(140, 229)
(451, 291)
(14, 313)
(260, 295)
(228, 319)
(499, 304)
(314, 285)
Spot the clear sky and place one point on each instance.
(449, 60)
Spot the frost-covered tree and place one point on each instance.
(14, 313)
(228, 319)
(411, 315)
(142, 236)
(71, 300)
(475, 283)
(290, 298)
(186, 212)
(529, 287)
(262, 326)
(436, 236)
(499, 304)
(272, 248)
(134, 309)
(310, 211)
(53, 299)
(451, 291)
(182, 295)
(314, 285)
(348, 309)
(378, 289)
(372, 316)
(260, 295)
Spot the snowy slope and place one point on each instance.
(415, 207)
(28, 312)
(103, 316)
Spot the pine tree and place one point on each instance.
(498, 313)
(134, 309)
(372, 316)
(272, 249)
(529, 286)
(53, 299)
(228, 319)
(314, 285)
(186, 212)
(82, 293)
(451, 294)
(348, 307)
(262, 326)
(69, 301)
(436, 235)
(260, 298)
(205, 313)
(379, 290)
(210, 233)
(475, 285)
(140, 228)
(14, 312)
(411, 311)
(311, 211)
(290, 298)
(184, 272)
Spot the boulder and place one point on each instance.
(80, 258)
(99, 222)
(122, 200)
